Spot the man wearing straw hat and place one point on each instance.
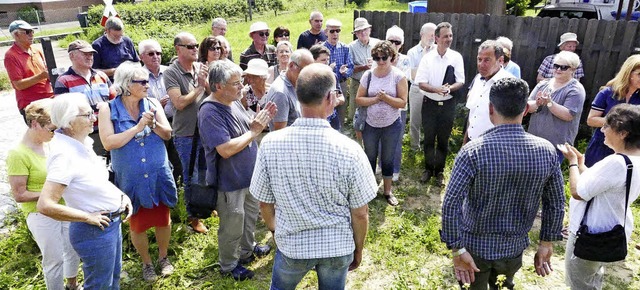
(360, 54)
(259, 48)
(568, 42)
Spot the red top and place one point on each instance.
(20, 65)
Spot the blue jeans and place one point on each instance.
(387, 138)
(100, 252)
(332, 272)
(397, 157)
(183, 147)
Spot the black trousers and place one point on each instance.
(437, 122)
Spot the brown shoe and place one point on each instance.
(198, 226)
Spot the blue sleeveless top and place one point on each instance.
(141, 167)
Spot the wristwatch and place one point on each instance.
(550, 104)
(459, 252)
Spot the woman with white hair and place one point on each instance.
(283, 54)
(93, 204)
(509, 65)
(27, 171)
(556, 104)
(133, 128)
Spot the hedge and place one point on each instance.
(181, 11)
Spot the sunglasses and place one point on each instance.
(214, 48)
(28, 32)
(335, 30)
(141, 82)
(263, 34)
(561, 67)
(154, 53)
(190, 46)
(283, 35)
(377, 58)
(396, 42)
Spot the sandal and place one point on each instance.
(391, 200)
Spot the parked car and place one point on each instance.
(571, 10)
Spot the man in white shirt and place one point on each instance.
(438, 106)
(415, 54)
(490, 59)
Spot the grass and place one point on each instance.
(402, 250)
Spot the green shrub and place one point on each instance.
(517, 7)
(181, 11)
(28, 14)
(5, 84)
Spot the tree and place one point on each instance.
(517, 7)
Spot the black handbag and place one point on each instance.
(610, 246)
(202, 198)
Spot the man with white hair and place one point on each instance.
(26, 67)
(568, 42)
(151, 57)
(219, 28)
(81, 78)
(360, 55)
(315, 34)
(509, 65)
(283, 90)
(113, 48)
(340, 62)
(229, 135)
(426, 44)
(259, 48)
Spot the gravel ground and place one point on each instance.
(11, 130)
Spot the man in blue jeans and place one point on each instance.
(316, 183)
(186, 81)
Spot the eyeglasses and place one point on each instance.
(377, 58)
(286, 34)
(153, 53)
(561, 67)
(335, 30)
(214, 48)
(190, 46)
(50, 130)
(141, 82)
(396, 42)
(263, 33)
(89, 116)
(237, 83)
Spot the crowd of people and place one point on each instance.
(118, 133)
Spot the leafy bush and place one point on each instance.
(5, 84)
(28, 14)
(517, 7)
(181, 11)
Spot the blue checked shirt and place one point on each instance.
(314, 175)
(497, 183)
(340, 55)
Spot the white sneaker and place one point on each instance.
(396, 177)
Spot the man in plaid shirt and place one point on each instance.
(314, 184)
(497, 184)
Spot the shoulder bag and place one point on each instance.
(203, 198)
(610, 246)
(361, 111)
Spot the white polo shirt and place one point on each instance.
(478, 103)
(433, 67)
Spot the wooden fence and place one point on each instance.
(604, 45)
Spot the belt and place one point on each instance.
(440, 103)
(115, 214)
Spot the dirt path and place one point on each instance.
(11, 130)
